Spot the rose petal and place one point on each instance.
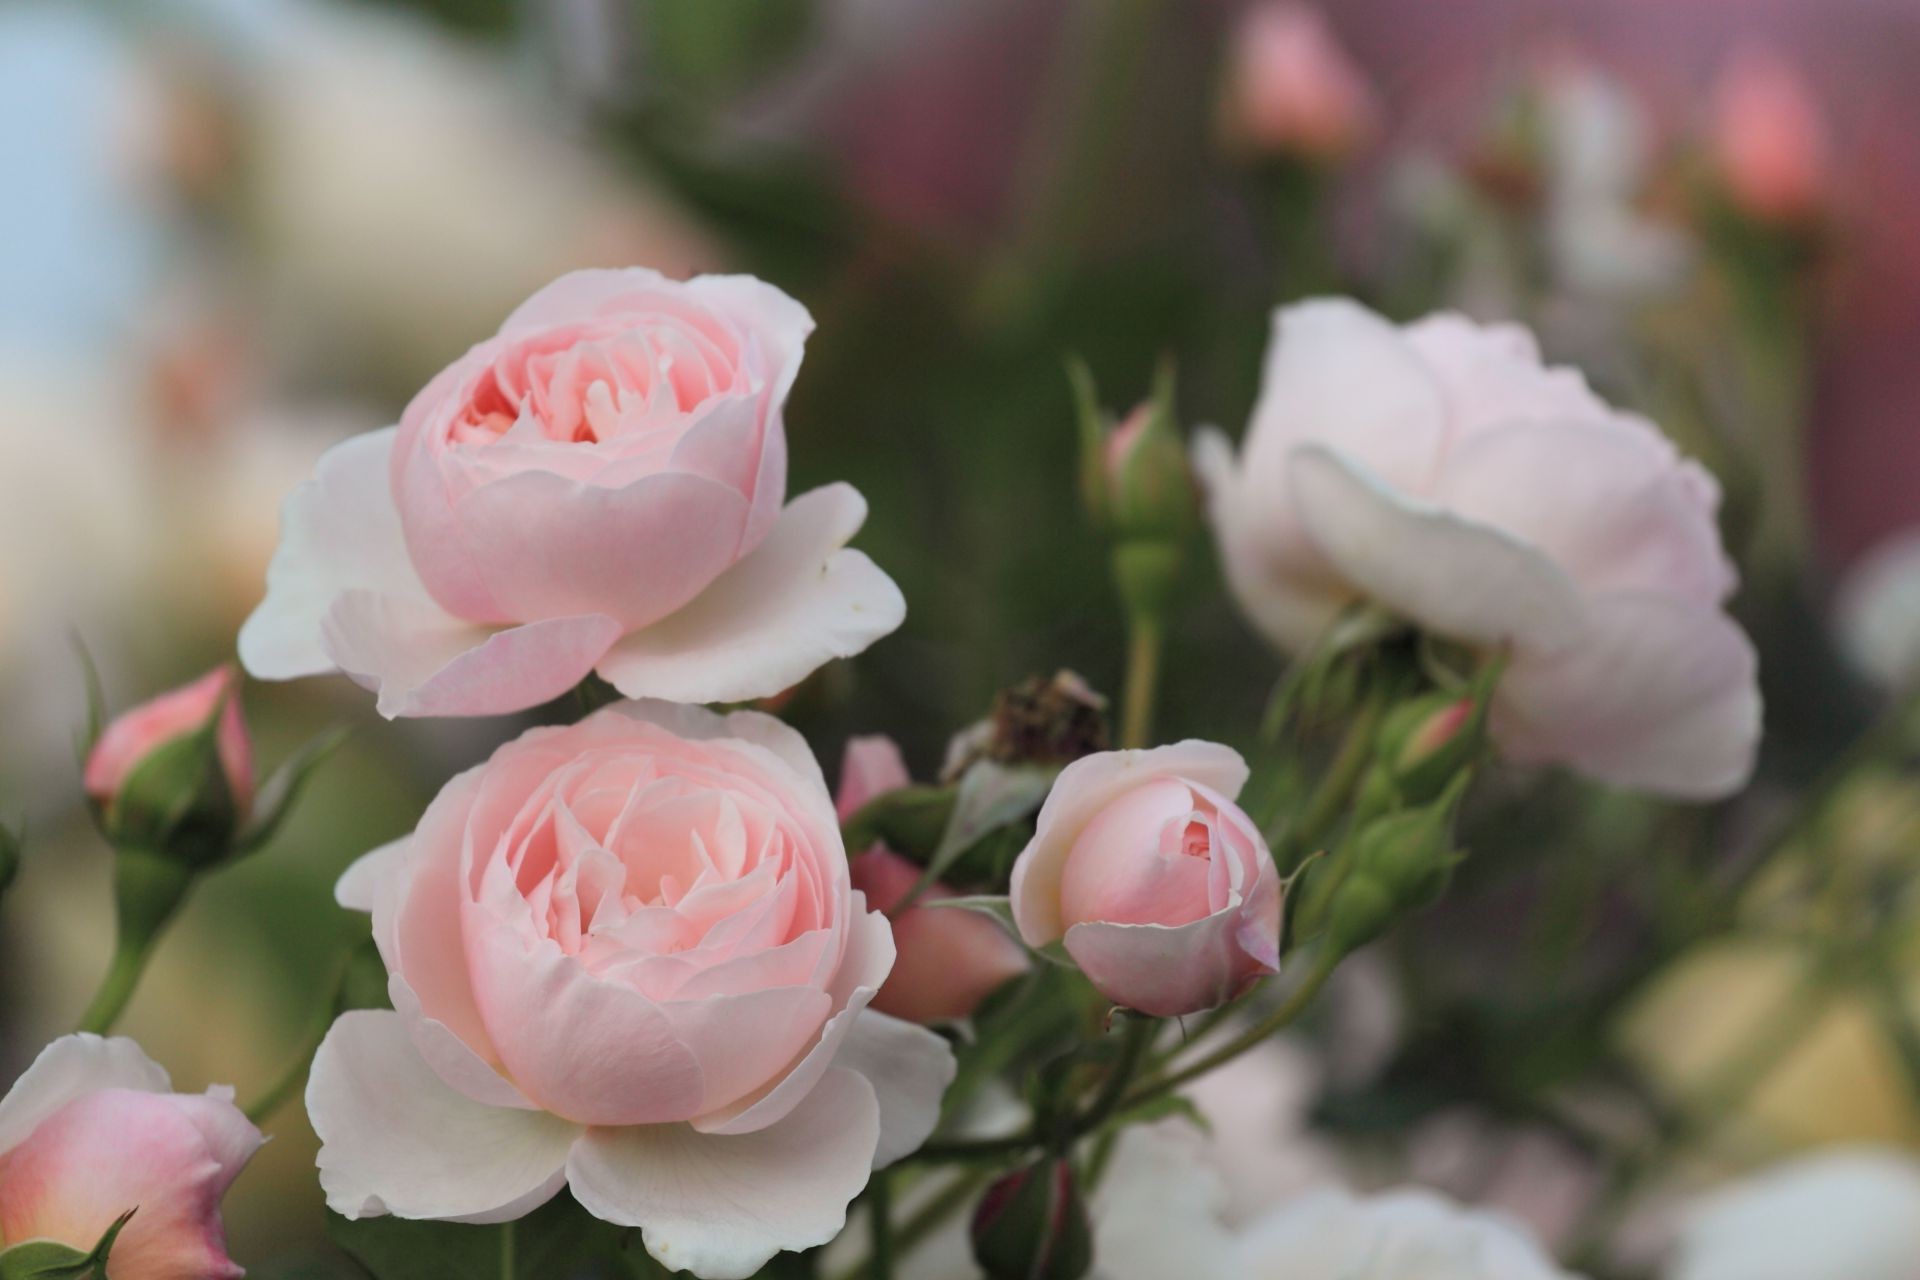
(1440, 571)
(909, 1068)
(339, 531)
(424, 662)
(395, 1139)
(550, 547)
(1167, 971)
(1657, 695)
(773, 619)
(721, 1207)
(870, 767)
(69, 1067)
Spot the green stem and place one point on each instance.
(148, 889)
(294, 1078)
(1138, 1038)
(880, 1227)
(1329, 799)
(506, 1251)
(1145, 643)
(1282, 1017)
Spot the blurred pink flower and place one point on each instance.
(1160, 886)
(598, 488)
(1769, 139)
(625, 956)
(948, 959)
(93, 1130)
(135, 735)
(1440, 471)
(1290, 88)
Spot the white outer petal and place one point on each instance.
(797, 602)
(396, 1139)
(68, 1068)
(720, 1206)
(909, 1068)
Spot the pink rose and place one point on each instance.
(950, 958)
(1162, 888)
(597, 488)
(1768, 138)
(1440, 471)
(135, 735)
(625, 956)
(1291, 88)
(92, 1130)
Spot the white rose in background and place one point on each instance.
(1877, 611)
(397, 184)
(1440, 471)
(1851, 1214)
(1401, 1235)
(597, 488)
(626, 956)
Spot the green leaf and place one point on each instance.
(96, 699)
(278, 793)
(991, 796)
(558, 1241)
(50, 1260)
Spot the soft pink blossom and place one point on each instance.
(1161, 888)
(1291, 88)
(93, 1130)
(132, 737)
(1440, 471)
(625, 956)
(950, 958)
(599, 487)
(1769, 138)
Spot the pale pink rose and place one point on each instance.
(597, 488)
(92, 1130)
(950, 958)
(126, 743)
(1769, 139)
(1440, 471)
(1291, 88)
(1161, 887)
(625, 956)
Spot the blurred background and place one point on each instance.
(237, 231)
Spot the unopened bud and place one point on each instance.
(1424, 743)
(174, 776)
(1033, 1225)
(1362, 909)
(1135, 477)
(1769, 139)
(1291, 89)
(1410, 853)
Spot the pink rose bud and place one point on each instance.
(133, 740)
(1291, 89)
(1160, 886)
(948, 959)
(93, 1130)
(1769, 138)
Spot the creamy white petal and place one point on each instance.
(69, 1067)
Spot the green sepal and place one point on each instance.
(278, 794)
(50, 1260)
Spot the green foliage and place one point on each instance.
(49, 1260)
(558, 1241)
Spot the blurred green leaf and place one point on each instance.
(558, 1241)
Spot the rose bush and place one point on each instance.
(93, 1130)
(599, 487)
(1441, 472)
(625, 956)
(1160, 887)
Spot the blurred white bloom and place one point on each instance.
(1529, 1173)
(1403, 1235)
(404, 191)
(1877, 611)
(1257, 1144)
(1596, 154)
(1848, 1214)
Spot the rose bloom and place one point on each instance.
(1291, 88)
(1440, 471)
(132, 737)
(950, 958)
(1403, 1235)
(1768, 138)
(1162, 889)
(597, 488)
(92, 1130)
(1851, 1212)
(625, 956)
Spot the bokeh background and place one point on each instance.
(235, 231)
